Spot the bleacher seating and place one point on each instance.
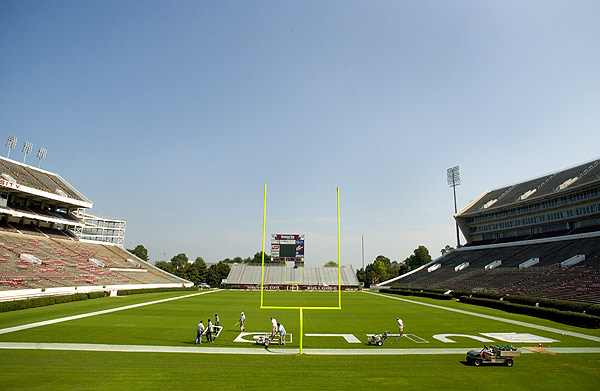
(545, 279)
(65, 262)
(247, 275)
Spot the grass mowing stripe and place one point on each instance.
(75, 370)
(276, 350)
(67, 318)
(517, 322)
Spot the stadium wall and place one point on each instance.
(21, 294)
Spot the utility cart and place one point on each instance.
(495, 354)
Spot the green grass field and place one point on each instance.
(173, 323)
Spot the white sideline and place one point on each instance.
(139, 348)
(519, 323)
(73, 317)
(256, 350)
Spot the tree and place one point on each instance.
(179, 261)
(419, 257)
(166, 266)
(402, 268)
(140, 252)
(195, 272)
(330, 264)
(216, 273)
(380, 270)
(361, 275)
(258, 258)
(446, 249)
(382, 258)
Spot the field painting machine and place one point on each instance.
(267, 339)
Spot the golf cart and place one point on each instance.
(495, 354)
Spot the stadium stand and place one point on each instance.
(246, 276)
(542, 236)
(40, 254)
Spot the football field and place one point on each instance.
(147, 341)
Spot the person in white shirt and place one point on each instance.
(199, 331)
(242, 322)
(400, 326)
(209, 330)
(282, 334)
(273, 327)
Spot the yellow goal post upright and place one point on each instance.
(262, 275)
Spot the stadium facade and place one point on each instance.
(564, 202)
(50, 246)
(100, 229)
(539, 238)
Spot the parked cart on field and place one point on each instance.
(495, 354)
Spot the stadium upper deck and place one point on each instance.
(540, 237)
(40, 252)
(39, 184)
(566, 201)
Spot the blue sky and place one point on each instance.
(174, 115)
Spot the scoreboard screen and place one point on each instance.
(287, 247)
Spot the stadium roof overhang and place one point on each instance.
(36, 194)
(466, 212)
(463, 216)
(35, 216)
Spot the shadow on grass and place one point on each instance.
(163, 340)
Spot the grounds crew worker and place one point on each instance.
(400, 326)
(282, 334)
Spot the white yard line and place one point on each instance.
(139, 348)
(519, 323)
(256, 350)
(73, 317)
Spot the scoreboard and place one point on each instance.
(287, 248)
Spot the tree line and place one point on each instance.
(382, 268)
(197, 271)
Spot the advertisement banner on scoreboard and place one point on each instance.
(287, 237)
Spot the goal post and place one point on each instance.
(300, 308)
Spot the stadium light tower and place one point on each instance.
(453, 181)
(11, 144)
(41, 155)
(27, 148)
